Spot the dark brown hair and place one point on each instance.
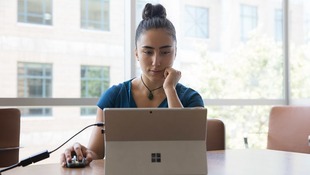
(154, 16)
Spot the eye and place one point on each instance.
(165, 52)
(148, 52)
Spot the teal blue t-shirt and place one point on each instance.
(120, 96)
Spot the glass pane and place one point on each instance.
(93, 88)
(35, 11)
(35, 87)
(48, 88)
(279, 25)
(248, 17)
(92, 80)
(243, 121)
(36, 112)
(196, 22)
(48, 133)
(95, 14)
(33, 80)
(223, 66)
(34, 70)
(88, 111)
(66, 47)
(299, 35)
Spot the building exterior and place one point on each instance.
(75, 49)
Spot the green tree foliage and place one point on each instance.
(251, 70)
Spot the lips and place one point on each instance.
(156, 71)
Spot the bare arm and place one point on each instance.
(95, 148)
(173, 99)
(96, 141)
(172, 77)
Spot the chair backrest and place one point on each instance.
(9, 136)
(289, 128)
(215, 135)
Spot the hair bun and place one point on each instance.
(151, 11)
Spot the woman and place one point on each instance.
(157, 87)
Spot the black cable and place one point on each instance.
(8, 168)
(45, 154)
(96, 124)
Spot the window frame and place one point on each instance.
(26, 66)
(88, 24)
(86, 79)
(205, 34)
(44, 77)
(26, 14)
(130, 71)
(278, 25)
(246, 18)
(102, 79)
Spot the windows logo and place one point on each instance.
(155, 157)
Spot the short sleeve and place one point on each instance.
(189, 97)
(117, 96)
(107, 99)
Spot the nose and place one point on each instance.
(156, 59)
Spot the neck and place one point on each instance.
(150, 93)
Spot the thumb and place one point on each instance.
(166, 73)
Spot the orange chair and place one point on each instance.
(9, 136)
(215, 135)
(289, 129)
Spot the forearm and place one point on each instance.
(172, 98)
(96, 144)
(96, 141)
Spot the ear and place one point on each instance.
(136, 54)
(175, 53)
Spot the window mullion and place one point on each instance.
(286, 53)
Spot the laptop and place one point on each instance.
(155, 141)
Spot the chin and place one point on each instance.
(156, 77)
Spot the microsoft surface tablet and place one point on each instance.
(149, 141)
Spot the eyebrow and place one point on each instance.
(162, 47)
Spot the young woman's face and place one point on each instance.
(156, 50)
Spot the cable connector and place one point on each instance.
(99, 124)
(35, 158)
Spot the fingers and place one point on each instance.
(77, 149)
(172, 77)
(66, 156)
(88, 157)
(86, 153)
(171, 71)
(68, 153)
(63, 160)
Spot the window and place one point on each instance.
(35, 11)
(279, 25)
(52, 100)
(35, 80)
(299, 54)
(307, 27)
(95, 14)
(94, 81)
(248, 15)
(239, 80)
(196, 22)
